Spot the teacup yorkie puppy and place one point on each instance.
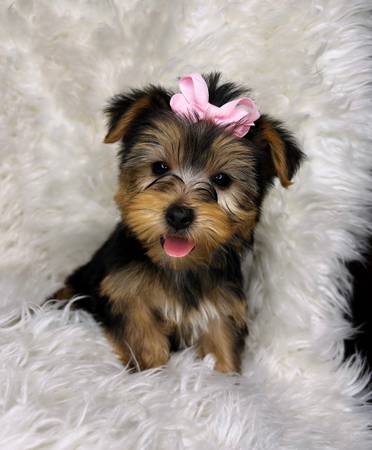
(194, 169)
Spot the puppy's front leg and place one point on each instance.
(141, 342)
(146, 338)
(225, 339)
(139, 334)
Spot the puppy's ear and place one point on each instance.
(125, 111)
(278, 153)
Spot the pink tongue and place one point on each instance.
(177, 247)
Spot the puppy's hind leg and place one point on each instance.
(65, 293)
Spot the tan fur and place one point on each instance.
(143, 341)
(168, 134)
(214, 226)
(228, 154)
(122, 349)
(64, 293)
(145, 216)
(219, 342)
(219, 337)
(277, 147)
(247, 223)
(128, 118)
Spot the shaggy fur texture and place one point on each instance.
(61, 385)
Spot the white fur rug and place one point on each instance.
(61, 385)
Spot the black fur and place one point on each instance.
(221, 93)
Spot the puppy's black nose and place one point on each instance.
(179, 217)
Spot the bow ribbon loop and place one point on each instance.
(193, 102)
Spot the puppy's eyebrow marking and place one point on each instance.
(205, 186)
(163, 176)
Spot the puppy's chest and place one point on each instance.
(182, 303)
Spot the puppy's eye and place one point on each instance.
(221, 180)
(159, 168)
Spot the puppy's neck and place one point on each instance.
(191, 283)
(195, 283)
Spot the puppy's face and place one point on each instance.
(188, 189)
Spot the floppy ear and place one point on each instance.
(127, 110)
(278, 153)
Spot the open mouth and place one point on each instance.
(176, 247)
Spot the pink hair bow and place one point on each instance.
(193, 102)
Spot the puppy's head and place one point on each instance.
(189, 188)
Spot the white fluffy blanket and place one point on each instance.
(61, 385)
